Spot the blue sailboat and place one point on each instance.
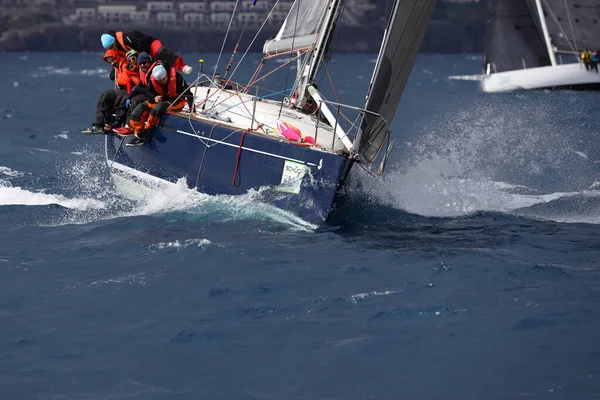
(295, 153)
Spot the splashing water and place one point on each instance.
(497, 156)
(178, 198)
(87, 192)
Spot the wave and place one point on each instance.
(190, 204)
(9, 172)
(20, 196)
(87, 194)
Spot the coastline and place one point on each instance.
(439, 38)
(454, 28)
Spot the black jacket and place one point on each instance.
(134, 39)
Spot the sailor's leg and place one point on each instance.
(139, 116)
(156, 114)
(176, 107)
(135, 101)
(104, 107)
(119, 107)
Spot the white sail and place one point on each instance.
(300, 28)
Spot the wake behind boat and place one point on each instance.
(295, 152)
(535, 44)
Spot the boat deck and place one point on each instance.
(242, 112)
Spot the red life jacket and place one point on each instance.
(171, 84)
(144, 75)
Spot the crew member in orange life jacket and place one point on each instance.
(136, 40)
(168, 93)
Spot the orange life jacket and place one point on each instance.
(127, 78)
(121, 76)
(114, 54)
(171, 85)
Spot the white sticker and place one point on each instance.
(291, 178)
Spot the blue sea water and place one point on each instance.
(470, 271)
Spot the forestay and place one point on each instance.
(299, 29)
(513, 37)
(401, 42)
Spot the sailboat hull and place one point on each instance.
(565, 76)
(217, 159)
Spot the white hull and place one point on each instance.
(565, 75)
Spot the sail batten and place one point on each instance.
(400, 46)
(299, 29)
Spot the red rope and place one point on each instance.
(239, 155)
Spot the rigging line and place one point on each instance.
(259, 97)
(562, 31)
(253, 40)
(237, 45)
(287, 77)
(337, 99)
(222, 46)
(225, 38)
(271, 72)
(571, 23)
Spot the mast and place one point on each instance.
(540, 10)
(306, 76)
(324, 39)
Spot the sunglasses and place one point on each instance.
(145, 63)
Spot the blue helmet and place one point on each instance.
(107, 40)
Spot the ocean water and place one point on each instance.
(470, 271)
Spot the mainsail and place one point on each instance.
(513, 37)
(573, 26)
(299, 29)
(400, 46)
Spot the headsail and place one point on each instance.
(401, 42)
(513, 37)
(573, 26)
(299, 29)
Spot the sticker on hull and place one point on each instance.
(291, 178)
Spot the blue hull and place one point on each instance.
(296, 178)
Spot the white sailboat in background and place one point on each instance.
(535, 44)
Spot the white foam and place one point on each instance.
(179, 198)
(355, 298)
(19, 196)
(418, 191)
(9, 172)
(181, 245)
